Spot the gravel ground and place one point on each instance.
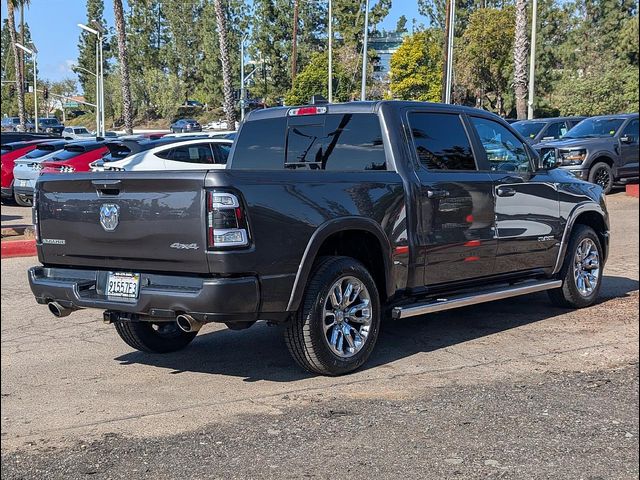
(570, 425)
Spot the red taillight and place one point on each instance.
(297, 112)
(226, 222)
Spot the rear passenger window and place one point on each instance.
(441, 141)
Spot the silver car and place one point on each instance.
(27, 168)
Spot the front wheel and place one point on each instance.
(581, 273)
(336, 328)
(160, 337)
(602, 174)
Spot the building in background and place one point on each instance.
(385, 45)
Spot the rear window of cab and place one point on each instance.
(342, 142)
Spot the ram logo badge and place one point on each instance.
(109, 216)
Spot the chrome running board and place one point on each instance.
(464, 300)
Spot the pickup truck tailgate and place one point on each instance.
(136, 221)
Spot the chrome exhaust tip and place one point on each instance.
(187, 323)
(58, 310)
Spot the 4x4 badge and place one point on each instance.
(109, 216)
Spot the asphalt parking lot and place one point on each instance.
(513, 389)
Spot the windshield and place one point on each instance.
(65, 155)
(528, 129)
(80, 130)
(49, 121)
(595, 128)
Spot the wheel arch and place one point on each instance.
(592, 215)
(357, 237)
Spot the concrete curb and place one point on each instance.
(632, 190)
(18, 248)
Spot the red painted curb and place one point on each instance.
(19, 248)
(632, 190)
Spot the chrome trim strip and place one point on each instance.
(465, 300)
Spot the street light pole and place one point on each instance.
(451, 20)
(363, 87)
(99, 79)
(532, 61)
(330, 53)
(242, 79)
(34, 53)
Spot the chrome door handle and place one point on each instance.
(506, 192)
(437, 194)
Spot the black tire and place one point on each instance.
(602, 174)
(569, 295)
(161, 337)
(305, 336)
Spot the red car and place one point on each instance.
(10, 153)
(75, 157)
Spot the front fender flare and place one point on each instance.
(323, 232)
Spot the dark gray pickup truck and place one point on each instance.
(327, 218)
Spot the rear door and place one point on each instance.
(527, 208)
(136, 221)
(456, 207)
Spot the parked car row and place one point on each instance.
(24, 161)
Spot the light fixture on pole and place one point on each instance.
(99, 79)
(532, 61)
(363, 87)
(33, 52)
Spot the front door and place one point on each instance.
(456, 210)
(527, 207)
(629, 153)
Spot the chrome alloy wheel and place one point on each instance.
(586, 267)
(347, 316)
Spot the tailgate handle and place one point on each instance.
(107, 187)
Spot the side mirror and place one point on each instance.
(626, 139)
(549, 160)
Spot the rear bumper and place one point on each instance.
(161, 296)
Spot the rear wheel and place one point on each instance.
(336, 328)
(581, 273)
(160, 337)
(602, 174)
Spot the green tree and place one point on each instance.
(416, 67)
(401, 25)
(16, 62)
(127, 110)
(484, 65)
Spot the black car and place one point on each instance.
(545, 129)
(185, 126)
(50, 125)
(327, 217)
(602, 150)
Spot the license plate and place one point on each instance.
(124, 285)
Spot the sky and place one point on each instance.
(55, 32)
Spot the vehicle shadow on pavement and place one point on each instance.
(259, 353)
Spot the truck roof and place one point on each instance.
(365, 107)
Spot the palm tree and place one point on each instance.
(520, 59)
(221, 23)
(127, 110)
(11, 5)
